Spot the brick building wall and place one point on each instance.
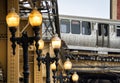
(118, 9)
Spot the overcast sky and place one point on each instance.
(87, 8)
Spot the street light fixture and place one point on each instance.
(13, 19)
(47, 60)
(53, 66)
(75, 77)
(35, 19)
(69, 73)
(67, 65)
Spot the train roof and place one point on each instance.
(91, 19)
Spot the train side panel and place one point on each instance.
(90, 32)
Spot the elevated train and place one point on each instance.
(90, 33)
(94, 42)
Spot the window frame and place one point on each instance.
(77, 27)
(61, 31)
(82, 28)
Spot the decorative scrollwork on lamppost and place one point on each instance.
(35, 19)
(47, 60)
(68, 72)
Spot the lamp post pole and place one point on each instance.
(25, 67)
(47, 60)
(24, 41)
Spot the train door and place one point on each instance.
(103, 35)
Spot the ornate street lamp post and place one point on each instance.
(35, 19)
(47, 60)
(69, 74)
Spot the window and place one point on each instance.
(75, 27)
(86, 28)
(103, 29)
(65, 25)
(118, 30)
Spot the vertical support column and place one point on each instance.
(12, 61)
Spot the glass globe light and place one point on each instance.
(35, 18)
(41, 44)
(67, 64)
(75, 77)
(56, 42)
(12, 18)
(53, 66)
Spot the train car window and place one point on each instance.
(118, 30)
(75, 27)
(103, 29)
(86, 28)
(65, 26)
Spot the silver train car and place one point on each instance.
(89, 33)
